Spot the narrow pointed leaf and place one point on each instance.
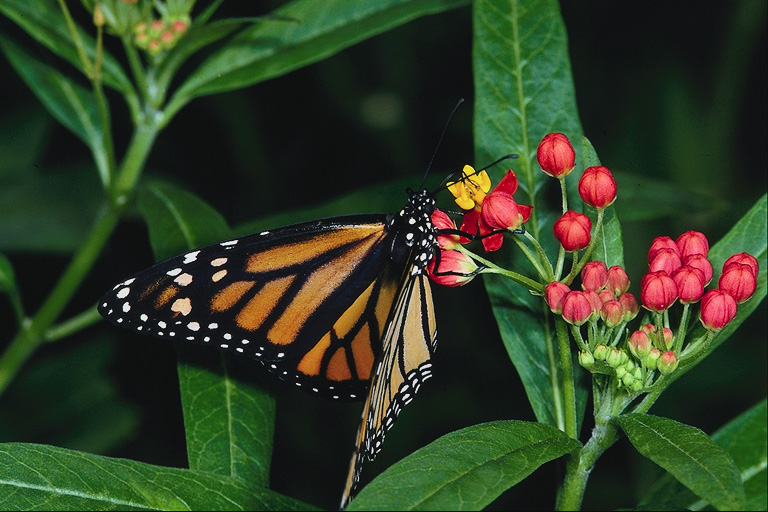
(745, 438)
(466, 469)
(308, 32)
(523, 90)
(74, 106)
(689, 455)
(41, 477)
(43, 20)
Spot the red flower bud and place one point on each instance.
(657, 291)
(556, 155)
(597, 187)
(743, 258)
(555, 293)
(595, 302)
(455, 268)
(594, 276)
(606, 295)
(629, 306)
(692, 242)
(499, 211)
(690, 284)
(739, 281)
(612, 313)
(661, 242)
(441, 221)
(576, 308)
(640, 344)
(618, 281)
(667, 362)
(179, 26)
(699, 261)
(718, 308)
(666, 260)
(572, 230)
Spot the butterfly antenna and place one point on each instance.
(440, 140)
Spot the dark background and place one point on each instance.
(666, 91)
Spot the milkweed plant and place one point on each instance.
(565, 271)
(594, 314)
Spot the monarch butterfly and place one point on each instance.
(341, 307)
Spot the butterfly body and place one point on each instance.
(341, 307)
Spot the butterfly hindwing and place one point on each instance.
(408, 345)
(310, 300)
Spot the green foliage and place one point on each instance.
(63, 400)
(469, 468)
(689, 455)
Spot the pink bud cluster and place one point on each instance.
(680, 270)
(157, 35)
(603, 295)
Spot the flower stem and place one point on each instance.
(569, 389)
(32, 332)
(583, 460)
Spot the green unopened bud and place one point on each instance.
(600, 353)
(637, 386)
(586, 360)
(613, 357)
(620, 372)
(652, 359)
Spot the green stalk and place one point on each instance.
(583, 460)
(33, 330)
(569, 389)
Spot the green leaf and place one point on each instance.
(745, 438)
(466, 469)
(689, 455)
(40, 477)
(275, 47)
(178, 220)
(43, 20)
(523, 90)
(229, 422)
(74, 106)
(7, 277)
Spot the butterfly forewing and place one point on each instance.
(310, 301)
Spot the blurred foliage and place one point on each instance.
(672, 96)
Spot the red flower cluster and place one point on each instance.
(489, 213)
(679, 269)
(603, 295)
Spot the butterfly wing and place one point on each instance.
(408, 344)
(310, 300)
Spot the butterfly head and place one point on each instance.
(415, 237)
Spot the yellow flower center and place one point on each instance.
(471, 189)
